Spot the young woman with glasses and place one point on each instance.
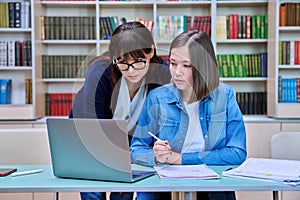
(118, 82)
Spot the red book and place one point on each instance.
(235, 26)
(248, 26)
(63, 104)
(59, 104)
(52, 104)
(189, 23)
(69, 102)
(207, 24)
(197, 20)
(297, 52)
(282, 15)
(230, 24)
(202, 23)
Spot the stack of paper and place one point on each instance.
(185, 171)
(286, 171)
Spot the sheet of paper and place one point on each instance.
(272, 166)
(185, 171)
(287, 171)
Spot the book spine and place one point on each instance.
(248, 27)
(17, 53)
(17, 14)
(298, 89)
(282, 15)
(11, 53)
(5, 91)
(11, 13)
(280, 98)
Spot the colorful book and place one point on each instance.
(5, 91)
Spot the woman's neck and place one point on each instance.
(188, 96)
(133, 88)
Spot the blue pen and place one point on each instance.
(230, 168)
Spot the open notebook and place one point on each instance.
(96, 149)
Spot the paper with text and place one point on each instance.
(185, 171)
(287, 171)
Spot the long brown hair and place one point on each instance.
(203, 60)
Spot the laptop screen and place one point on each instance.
(90, 149)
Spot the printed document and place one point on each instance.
(286, 171)
(185, 171)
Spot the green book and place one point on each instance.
(231, 68)
(258, 27)
(237, 72)
(253, 27)
(262, 26)
(220, 67)
(266, 26)
(225, 66)
(242, 57)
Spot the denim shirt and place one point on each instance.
(164, 115)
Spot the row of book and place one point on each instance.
(242, 65)
(126, 0)
(289, 52)
(252, 103)
(288, 90)
(5, 91)
(235, 26)
(289, 14)
(15, 14)
(63, 66)
(16, 53)
(68, 0)
(68, 28)
(108, 25)
(28, 91)
(59, 104)
(170, 26)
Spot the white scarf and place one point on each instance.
(127, 109)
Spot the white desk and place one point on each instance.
(46, 182)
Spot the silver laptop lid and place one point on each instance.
(90, 149)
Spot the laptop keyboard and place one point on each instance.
(136, 174)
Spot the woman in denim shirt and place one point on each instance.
(197, 118)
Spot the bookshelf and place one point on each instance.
(234, 44)
(60, 44)
(17, 30)
(283, 64)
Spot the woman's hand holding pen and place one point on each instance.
(162, 151)
(164, 154)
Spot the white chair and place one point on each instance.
(285, 145)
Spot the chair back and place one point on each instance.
(285, 145)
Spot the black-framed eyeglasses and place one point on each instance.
(137, 65)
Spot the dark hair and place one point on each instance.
(203, 60)
(105, 56)
(131, 39)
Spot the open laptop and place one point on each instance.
(95, 149)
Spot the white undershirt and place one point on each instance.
(194, 141)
